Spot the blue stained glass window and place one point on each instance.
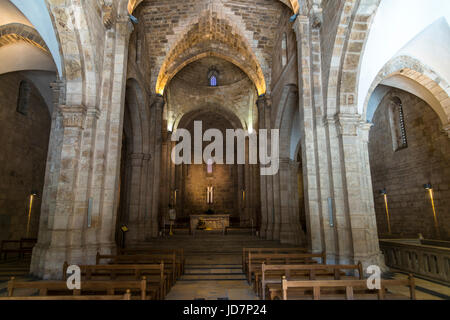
(213, 81)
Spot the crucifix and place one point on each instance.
(210, 195)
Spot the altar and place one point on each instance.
(212, 222)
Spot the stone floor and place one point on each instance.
(213, 268)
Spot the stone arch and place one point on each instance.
(185, 118)
(411, 75)
(292, 4)
(13, 32)
(211, 33)
(285, 117)
(351, 37)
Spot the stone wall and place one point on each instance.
(404, 172)
(24, 140)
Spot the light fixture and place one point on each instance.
(34, 194)
(429, 187)
(388, 218)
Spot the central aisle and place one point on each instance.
(213, 269)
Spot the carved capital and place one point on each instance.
(109, 13)
(348, 124)
(261, 102)
(446, 130)
(73, 116)
(364, 130)
(157, 101)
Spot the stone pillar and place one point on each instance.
(307, 125)
(276, 191)
(261, 104)
(289, 221)
(136, 216)
(82, 175)
(157, 103)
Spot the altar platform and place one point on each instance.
(212, 222)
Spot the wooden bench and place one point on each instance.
(125, 296)
(9, 246)
(179, 253)
(60, 287)
(27, 245)
(157, 281)
(271, 275)
(21, 247)
(255, 260)
(346, 289)
(169, 261)
(245, 252)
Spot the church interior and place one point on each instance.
(94, 96)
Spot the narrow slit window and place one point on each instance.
(397, 122)
(213, 77)
(23, 99)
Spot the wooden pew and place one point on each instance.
(26, 246)
(245, 252)
(125, 296)
(9, 246)
(255, 260)
(179, 253)
(271, 275)
(346, 289)
(110, 287)
(157, 283)
(21, 247)
(168, 259)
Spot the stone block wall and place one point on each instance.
(24, 142)
(404, 172)
(196, 185)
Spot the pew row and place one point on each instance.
(255, 260)
(344, 289)
(157, 280)
(245, 252)
(269, 279)
(179, 252)
(171, 268)
(87, 287)
(125, 296)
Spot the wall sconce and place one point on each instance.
(34, 194)
(429, 187)
(384, 194)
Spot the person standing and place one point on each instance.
(172, 218)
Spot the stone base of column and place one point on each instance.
(289, 234)
(47, 261)
(269, 232)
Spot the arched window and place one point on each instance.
(213, 76)
(23, 99)
(397, 123)
(284, 54)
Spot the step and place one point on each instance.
(212, 277)
(213, 271)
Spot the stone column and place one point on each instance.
(135, 219)
(307, 126)
(157, 103)
(289, 222)
(261, 104)
(82, 176)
